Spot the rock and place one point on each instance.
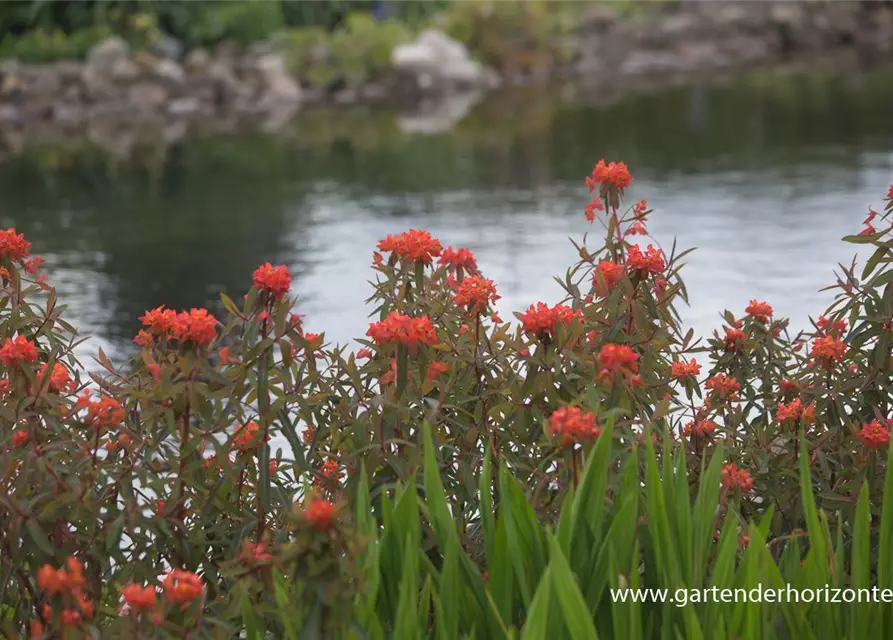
(278, 86)
(125, 70)
(170, 72)
(227, 85)
(147, 96)
(103, 55)
(438, 63)
(45, 84)
(187, 106)
(197, 61)
(10, 114)
(440, 116)
(168, 47)
(67, 114)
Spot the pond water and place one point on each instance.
(763, 174)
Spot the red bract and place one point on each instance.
(459, 260)
(734, 339)
(874, 435)
(60, 380)
(182, 587)
(247, 437)
(196, 326)
(104, 413)
(735, 478)
(13, 246)
(835, 328)
(828, 349)
(570, 425)
(640, 208)
(682, 369)
(542, 320)
(401, 329)
(592, 208)
(759, 311)
(611, 176)
(32, 265)
(18, 351)
(794, 410)
(413, 245)
(476, 294)
(138, 598)
(606, 276)
(637, 229)
(20, 438)
(160, 321)
(618, 358)
(68, 580)
(254, 554)
(722, 387)
(890, 193)
(700, 428)
(320, 514)
(651, 261)
(274, 281)
(437, 369)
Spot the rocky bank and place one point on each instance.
(115, 87)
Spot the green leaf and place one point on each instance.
(576, 614)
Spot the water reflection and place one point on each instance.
(763, 175)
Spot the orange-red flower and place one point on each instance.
(651, 261)
(138, 598)
(20, 438)
(593, 207)
(160, 321)
(700, 428)
(476, 294)
(182, 587)
(734, 339)
(459, 261)
(254, 554)
(735, 478)
(247, 437)
(68, 580)
(640, 208)
(874, 435)
(618, 358)
(722, 387)
(571, 424)
(759, 311)
(320, 514)
(402, 329)
(413, 245)
(828, 349)
(542, 320)
(890, 193)
(637, 229)
(274, 281)
(104, 413)
(329, 475)
(606, 276)
(18, 351)
(611, 176)
(196, 326)
(795, 410)
(364, 352)
(60, 380)
(437, 369)
(13, 246)
(788, 387)
(681, 369)
(32, 265)
(832, 327)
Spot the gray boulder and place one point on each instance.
(438, 64)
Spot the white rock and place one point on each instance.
(279, 85)
(435, 59)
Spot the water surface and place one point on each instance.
(763, 175)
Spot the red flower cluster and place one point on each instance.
(320, 514)
(618, 358)
(402, 329)
(735, 478)
(640, 208)
(437, 369)
(890, 193)
(254, 554)
(788, 387)
(571, 425)
(459, 261)
(652, 261)
(13, 246)
(835, 328)
(476, 294)
(413, 245)
(606, 276)
(247, 437)
(104, 413)
(593, 207)
(722, 387)
(18, 351)
(182, 587)
(700, 428)
(828, 349)
(274, 281)
(612, 176)
(734, 339)
(637, 229)
(60, 380)
(759, 311)
(682, 369)
(138, 598)
(20, 438)
(68, 583)
(196, 326)
(795, 410)
(542, 320)
(328, 477)
(874, 435)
